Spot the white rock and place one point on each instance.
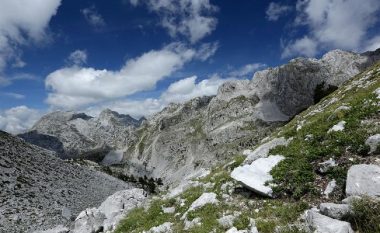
(363, 179)
(255, 175)
(330, 188)
(205, 198)
(163, 228)
(337, 127)
(193, 223)
(227, 221)
(323, 224)
(377, 92)
(168, 210)
(263, 150)
(373, 142)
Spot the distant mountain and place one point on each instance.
(76, 135)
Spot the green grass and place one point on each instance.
(366, 215)
(296, 175)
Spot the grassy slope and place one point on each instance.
(298, 184)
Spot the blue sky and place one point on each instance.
(137, 56)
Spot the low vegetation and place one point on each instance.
(313, 143)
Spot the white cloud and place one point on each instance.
(246, 70)
(331, 24)
(372, 44)
(276, 10)
(22, 22)
(75, 86)
(207, 50)
(177, 92)
(78, 57)
(18, 119)
(304, 47)
(187, 89)
(189, 18)
(93, 17)
(13, 95)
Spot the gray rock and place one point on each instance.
(330, 188)
(256, 175)
(326, 165)
(363, 180)
(163, 228)
(263, 150)
(373, 142)
(319, 223)
(110, 212)
(336, 211)
(57, 229)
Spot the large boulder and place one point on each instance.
(337, 211)
(363, 179)
(110, 212)
(323, 224)
(256, 175)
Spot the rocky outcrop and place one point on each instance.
(110, 212)
(76, 135)
(319, 223)
(39, 190)
(186, 137)
(363, 180)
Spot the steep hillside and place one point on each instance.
(325, 155)
(185, 138)
(38, 190)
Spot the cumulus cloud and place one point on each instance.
(246, 70)
(75, 86)
(276, 10)
(22, 22)
(305, 47)
(78, 57)
(190, 18)
(187, 89)
(331, 24)
(178, 92)
(18, 119)
(93, 17)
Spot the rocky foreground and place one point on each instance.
(39, 190)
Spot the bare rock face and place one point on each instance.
(39, 190)
(363, 179)
(186, 137)
(76, 135)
